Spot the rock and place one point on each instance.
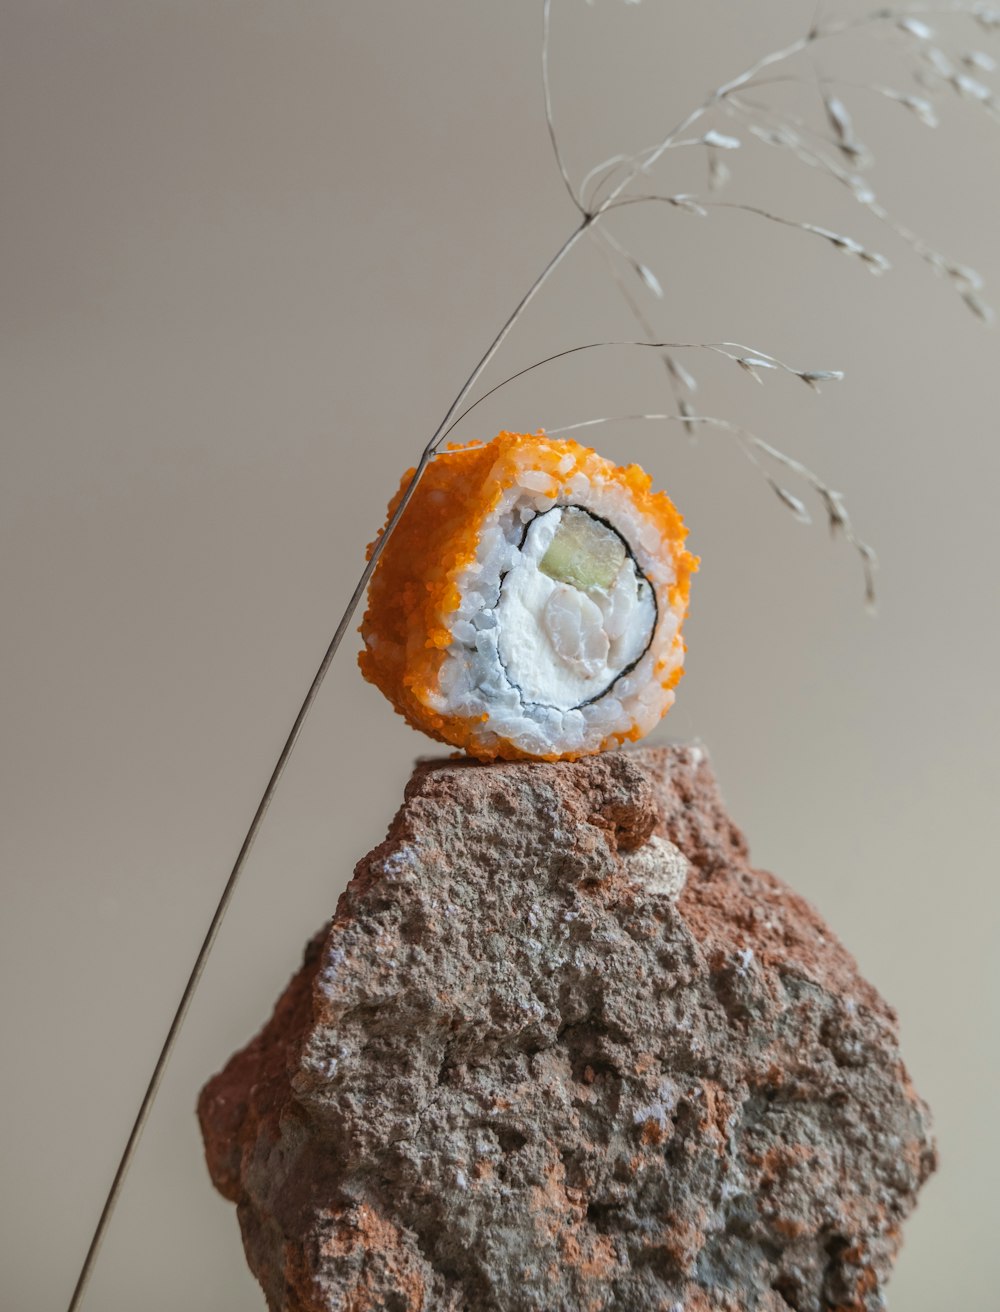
(561, 1048)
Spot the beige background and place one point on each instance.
(250, 251)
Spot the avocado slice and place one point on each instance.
(584, 552)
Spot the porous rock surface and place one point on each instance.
(561, 1048)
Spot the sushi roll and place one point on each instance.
(529, 602)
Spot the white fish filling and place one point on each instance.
(574, 611)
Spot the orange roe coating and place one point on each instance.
(414, 591)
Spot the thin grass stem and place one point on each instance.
(228, 892)
(549, 116)
(602, 176)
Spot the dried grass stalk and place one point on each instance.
(605, 188)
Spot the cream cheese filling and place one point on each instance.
(574, 613)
